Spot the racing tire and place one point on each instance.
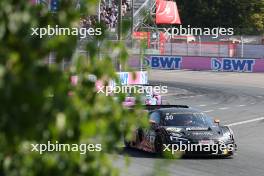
(139, 137)
(127, 144)
(159, 148)
(158, 144)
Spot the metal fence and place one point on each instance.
(244, 48)
(214, 50)
(140, 14)
(253, 50)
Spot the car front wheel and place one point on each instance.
(159, 144)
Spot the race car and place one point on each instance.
(172, 126)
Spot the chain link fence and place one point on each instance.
(248, 47)
(235, 46)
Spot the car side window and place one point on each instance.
(155, 116)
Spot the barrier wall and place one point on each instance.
(126, 78)
(204, 63)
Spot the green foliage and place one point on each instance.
(35, 106)
(246, 16)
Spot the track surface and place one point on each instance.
(230, 97)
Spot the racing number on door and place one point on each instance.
(169, 117)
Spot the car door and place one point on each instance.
(150, 133)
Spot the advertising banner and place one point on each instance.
(128, 78)
(205, 63)
(167, 12)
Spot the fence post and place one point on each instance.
(219, 52)
(171, 44)
(242, 47)
(200, 46)
(187, 48)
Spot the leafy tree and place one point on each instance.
(35, 106)
(246, 16)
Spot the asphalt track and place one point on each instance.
(237, 99)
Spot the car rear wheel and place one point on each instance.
(159, 148)
(127, 144)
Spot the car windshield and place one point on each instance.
(187, 119)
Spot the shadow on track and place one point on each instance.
(131, 152)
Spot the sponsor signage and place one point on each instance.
(54, 5)
(164, 62)
(236, 65)
(204, 63)
(123, 76)
(128, 78)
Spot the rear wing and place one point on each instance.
(154, 107)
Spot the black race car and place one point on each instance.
(179, 128)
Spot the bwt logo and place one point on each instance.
(164, 62)
(238, 65)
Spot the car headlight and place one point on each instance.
(176, 134)
(177, 137)
(226, 137)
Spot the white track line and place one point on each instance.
(246, 121)
(211, 110)
(170, 94)
(224, 108)
(186, 97)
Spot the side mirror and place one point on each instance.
(217, 121)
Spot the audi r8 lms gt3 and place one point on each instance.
(179, 128)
